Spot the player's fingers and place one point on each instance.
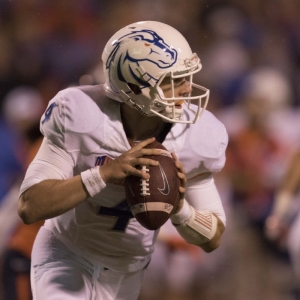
(183, 182)
(181, 175)
(177, 162)
(181, 190)
(179, 165)
(135, 153)
(147, 152)
(136, 172)
(144, 161)
(182, 178)
(142, 144)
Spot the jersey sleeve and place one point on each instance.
(52, 121)
(51, 162)
(68, 119)
(204, 146)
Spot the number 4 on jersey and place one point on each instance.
(121, 211)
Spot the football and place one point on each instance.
(151, 201)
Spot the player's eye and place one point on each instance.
(179, 81)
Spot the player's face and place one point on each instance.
(181, 88)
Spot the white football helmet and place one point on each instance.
(136, 60)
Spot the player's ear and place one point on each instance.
(135, 88)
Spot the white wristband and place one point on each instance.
(183, 215)
(92, 180)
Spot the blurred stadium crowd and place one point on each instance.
(250, 52)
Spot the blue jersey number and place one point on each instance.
(48, 112)
(122, 211)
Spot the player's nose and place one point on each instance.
(185, 88)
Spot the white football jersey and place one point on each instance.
(87, 124)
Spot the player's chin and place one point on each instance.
(176, 111)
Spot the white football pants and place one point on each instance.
(58, 273)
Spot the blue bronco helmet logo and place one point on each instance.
(147, 46)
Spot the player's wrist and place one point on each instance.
(183, 214)
(178, 207)
(93, 181)
(104, 173)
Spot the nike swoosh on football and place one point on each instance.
(166, 189)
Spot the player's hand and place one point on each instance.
(125, 165)
(183, 180)
(276, 231)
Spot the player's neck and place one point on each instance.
(138, 127)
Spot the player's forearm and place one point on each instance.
(50, 198)
(201, 228)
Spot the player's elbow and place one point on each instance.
(215, 242)
(211, 245)
(24, 210)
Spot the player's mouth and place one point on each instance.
(178, 104)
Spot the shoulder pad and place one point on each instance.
(69, 113)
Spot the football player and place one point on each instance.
(91, 246)
(283, 223)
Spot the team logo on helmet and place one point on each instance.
(146, 45)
